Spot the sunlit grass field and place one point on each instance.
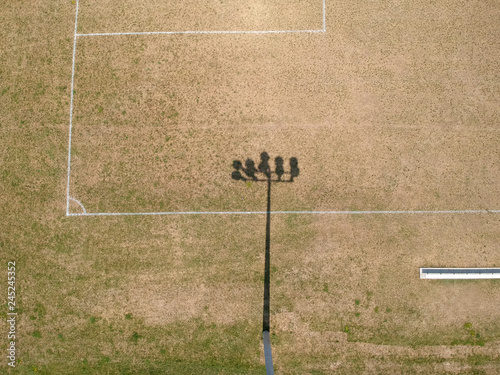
(395, 107)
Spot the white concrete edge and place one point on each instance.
(473, 274)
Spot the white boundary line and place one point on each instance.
(85, 213)
(287, 212)
(205, 32)
(76, 35)
(79, 203)
(71, 109)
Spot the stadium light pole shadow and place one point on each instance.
(251, 173)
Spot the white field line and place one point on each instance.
(204, 32)
(71, 108)
(79, 203)
(221, 212)
(287, 212)
(76, 35)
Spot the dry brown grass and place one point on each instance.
(159, 120)
(196, 15)
(395, 107)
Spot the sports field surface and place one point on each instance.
(137, 253)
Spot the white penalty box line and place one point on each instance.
(203, 32)
(409, 212)
(76, 35)
(69, 198)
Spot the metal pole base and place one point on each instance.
(268, 356)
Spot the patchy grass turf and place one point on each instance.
(198, 15)
(158, 122)
(396, 107)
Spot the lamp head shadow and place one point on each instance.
(236, 176)
(250, 171)
(264, 165)
(280, 170)
(294, 168)
(237, 165)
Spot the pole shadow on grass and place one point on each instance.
(263, 170)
